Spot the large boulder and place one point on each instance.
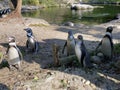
(78, 6)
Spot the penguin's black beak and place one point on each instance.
(28, 29)
(25, 29)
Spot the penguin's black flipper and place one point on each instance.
(98, 46)
(82, 57)
(7, 49)
(19, 52)
(37, 46)
(27, 43)
(64, 47)
(85, 59)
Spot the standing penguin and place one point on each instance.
(31, 44)
(14, 54)
(70, 44)
(4, 12)
(106, 44)
(81, 53)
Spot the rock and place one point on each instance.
(83, 80)
(27, 87)
(4, 63)
(100, 55)
(69, 24)
(93, 86)
(27, 8)
(87, 82)
(118, 64)
(96, 59)
(36, 22)
(77, 6)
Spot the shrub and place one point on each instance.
(30, 2)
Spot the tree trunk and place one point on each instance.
(14, 2)
(16, 13)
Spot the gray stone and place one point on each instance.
(100, 55)
(118, 64)
(96, 59)
(69, 24)
(81, 6)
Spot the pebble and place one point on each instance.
(96, 59)
(87, 82)
(100, 55)
(49, 79)
(93, 86)
(83, 80)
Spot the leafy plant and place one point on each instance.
(31, 2)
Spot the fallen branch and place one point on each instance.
(64, 60)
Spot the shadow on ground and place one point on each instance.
(3, 87)
(44, 58)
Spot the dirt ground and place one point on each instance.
(36, 72)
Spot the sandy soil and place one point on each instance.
(36, 74)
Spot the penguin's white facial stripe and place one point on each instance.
(10, 39)
(12, 44)
(71, 37)
(29, 34)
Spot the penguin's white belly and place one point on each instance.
(31, 40)
(13, 56)
(106, 47)
(31, 43)
(71, 47)
(78, 53)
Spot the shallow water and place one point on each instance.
(56, 15)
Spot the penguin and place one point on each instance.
(81, 53)
(4, 12)
(31, 44)
(7, 11)
(1, 13)
(106, 44)
(70, 44)
(14, 54)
